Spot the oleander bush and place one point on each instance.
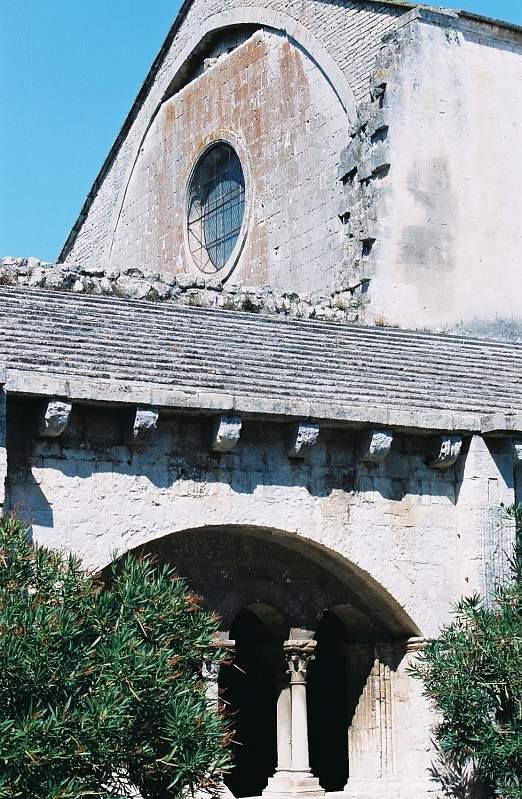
(101, 693)
(473, 675)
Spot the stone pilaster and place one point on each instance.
(210, 672)
(371, 672)
(485, 537)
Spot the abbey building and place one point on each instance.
(281, 350)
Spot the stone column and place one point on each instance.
(210, 672)
(293, 776)
(284, 729)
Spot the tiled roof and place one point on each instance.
(97, 348)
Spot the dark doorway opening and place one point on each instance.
(328, 717)
(249, 686)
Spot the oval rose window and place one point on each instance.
(216, 206)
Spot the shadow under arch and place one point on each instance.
(268, 585)
(329, 703)
(234, 566)
(209, 30)
(249, 686)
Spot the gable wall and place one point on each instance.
(289, 127)
(349, 32)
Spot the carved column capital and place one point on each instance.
(299, 654)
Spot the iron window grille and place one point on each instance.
(216, 207)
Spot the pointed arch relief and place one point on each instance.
(280, 576)
(173, 79)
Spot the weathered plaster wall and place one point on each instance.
(344, 35)
(392, 544)
(448, 250)
(275, 106)
(400, 522)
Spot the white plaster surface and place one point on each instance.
(449, 249)
(408, 540)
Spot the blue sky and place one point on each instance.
(69, 72)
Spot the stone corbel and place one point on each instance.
(226, 433)
(517, 451)
(304, 437)
(145, 422)
(449, 448)
(376, 445)
(54, 418)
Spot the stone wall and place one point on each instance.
(446, 250)
(272, 103)
(344, 35)
(423, 106)
(404, 523)
(193, 290)
(387, 541)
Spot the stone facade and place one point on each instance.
(291, 138)
(395, 212)
(384, 544)
(342, 37)
(450, 221)
(328, 489)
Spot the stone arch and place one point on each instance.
(274, 623)
(359, 599)
(360, 653)
(211, 27)
(328, 701)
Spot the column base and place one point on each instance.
(287, 784)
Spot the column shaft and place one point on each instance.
(284, 730)
(300, 760)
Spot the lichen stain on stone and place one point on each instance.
(259, 94)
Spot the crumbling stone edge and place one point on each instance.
(184, 289)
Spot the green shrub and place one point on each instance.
(101, 689)
(473, 675)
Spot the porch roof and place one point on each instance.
(105, 349)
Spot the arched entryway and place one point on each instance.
(249, 686)
(302, 629)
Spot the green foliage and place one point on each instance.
(101, 690)
(473, 674)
